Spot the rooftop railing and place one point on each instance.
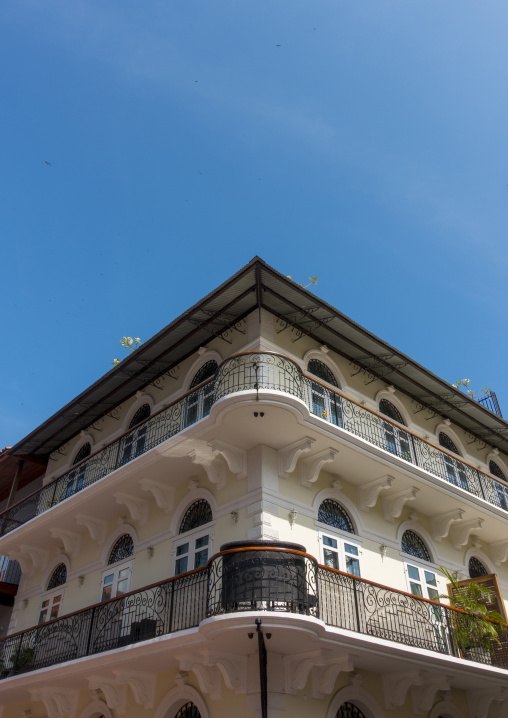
(258, 371)
(265, 578)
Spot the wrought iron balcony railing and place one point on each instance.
(252, 578)
(258, 371)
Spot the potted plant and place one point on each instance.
(23, 659)
(474, 632)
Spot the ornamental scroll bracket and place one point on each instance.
(424, 696)
(71, 541)
(97, 528)
(142, 685)
(163, 494)
(460, 534)
(59, 702)
(215, 468)
(499, 552)
(325, 677)
(232, 668)
(396, 686)
(440, 524)
(236, 459)
(31, 557)
(138, 508)
(289, 455)
(479, 702)
(208, 677)
(393, 504)
(368, 493)
(311, 467)
(114, 692)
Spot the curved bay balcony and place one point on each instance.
(255, 371)
(268, 577)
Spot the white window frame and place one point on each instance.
(190, 537)
(115, 569)
(439, 627)
(342, 538)
(49, 596)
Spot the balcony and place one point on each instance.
(263, 577)
(255, 371)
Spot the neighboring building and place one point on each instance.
(262, 415)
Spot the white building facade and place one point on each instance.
(264, 466)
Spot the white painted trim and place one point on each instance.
(414, 526)
(185, 503)
(124, 528)
(481, 556)
(446, 709)
(95, 710)
(328, 362)
(442, 427)
(61, 558)
(340, 498)
(178, 697)
(145, 398)
(200, 361)
(393, 399)
(358, 696)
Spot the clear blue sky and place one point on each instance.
(362, 141)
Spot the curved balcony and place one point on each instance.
(265, 577)
(257, 371)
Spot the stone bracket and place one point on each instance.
(479, 701)
(460, 534)
(71, 541)
(425, 695)
(369, 492)
(440, 524)
(142, 685)
(215, 467)
(393, 504)
(233, 669)
(288, 457)
(97, 528)
(325, 677)
(310, 468)
(138, 508)
(163, 494)
(235, 458)
(30, 558)
(59, 702)
(499, 552)
(208, 677)
(114, 692)
(396, 686)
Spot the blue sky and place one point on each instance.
(362, 141)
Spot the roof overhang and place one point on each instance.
(258, 286)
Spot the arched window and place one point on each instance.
(476, 568)
(123, 549)
(413, 545)
(134, 443)
(58, 577)
(349, 710)
(331, 513)
(198, 514)
(390, 410)
(502, 491)
(199, 402)
(76, 478)
(447, 443)
(116, 581)
(337, 552)
(321, 371)
(193, 551)
(142, 414)
(189, 710)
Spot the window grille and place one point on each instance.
(142, 414)
(388, 409)
(331, 513)
(322, 372)
(189, 710)
(123, 548)
(349, 710)
(413, 545)
(82, 453)
(206, 372)
(476, 568)
(447, 443)
(198, 514)
(496, 471)
(58, 577)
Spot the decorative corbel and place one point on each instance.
(289, 455)
(499, 552)
(163, 494)
(368, 493)
(235, 458)
(38, 556)
(460, 534)
(297, 669)
(324, 678)
(114, 692)
(393, 504)
(215, 468)
(71, 541)
(24, 560)
(232, 668)
(396, 686)
(142, 685)
(425, 695)
(440, 524)
(138, 508)
(97, 528)
(59, 702)
(208, 677)
(479, 701)
(310, 468)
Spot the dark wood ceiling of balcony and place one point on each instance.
(301, 313)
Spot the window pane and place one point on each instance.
(122, 587)
(184, 548)
(106, 593)
(433, 594)
(352, 565)
(43, 616)
(329, 542)
(413, 572)
(181, 565)
(416, 589)
(203, 541)
(331, 558)
(54, 611)
(200, 558)
(353, 550)
(430, 578)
